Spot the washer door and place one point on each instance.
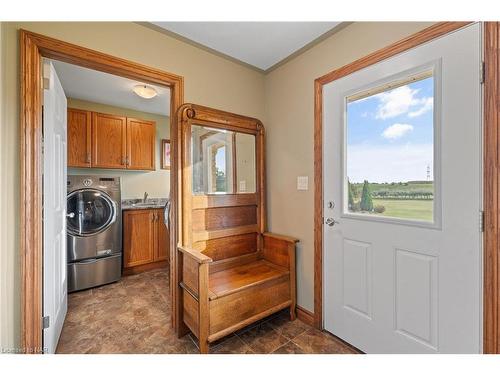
(89, 211)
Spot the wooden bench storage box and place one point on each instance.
(231, 271)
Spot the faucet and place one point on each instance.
(145, 196)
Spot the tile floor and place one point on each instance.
(132, 316)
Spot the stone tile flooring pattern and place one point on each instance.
(133, 316)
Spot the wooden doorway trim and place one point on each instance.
(491, 144)
(34, 47)
(491, 258)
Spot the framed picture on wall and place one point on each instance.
(165, 154)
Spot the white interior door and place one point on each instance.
(402, 260)
(55, 296)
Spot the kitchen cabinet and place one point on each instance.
(109, 141)
(163, 247)
(100, 140)
(141, 135)
(145, 240)
(79, 138)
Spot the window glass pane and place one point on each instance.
(390, 151)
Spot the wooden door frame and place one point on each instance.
(491, 258)
(34, 47)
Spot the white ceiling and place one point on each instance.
(92, 85)
(261, 44)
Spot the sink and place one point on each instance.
(139, 203)
(145, 204)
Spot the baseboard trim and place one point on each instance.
(144, 267)
(305, 316)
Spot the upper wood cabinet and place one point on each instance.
(109, 141)
(79, 138)
(100, 140)
(141, 137)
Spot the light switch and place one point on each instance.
(243, 185)
(302, 182)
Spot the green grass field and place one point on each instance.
(413, 209)
(406, 209)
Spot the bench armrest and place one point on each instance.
(195, 255)
(279, 249)
(281, 237)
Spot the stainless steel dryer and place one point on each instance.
(94, 231)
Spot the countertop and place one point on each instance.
(139, 204)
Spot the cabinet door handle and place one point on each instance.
(123, 161)
(88, 157)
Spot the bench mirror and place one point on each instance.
(223, 161)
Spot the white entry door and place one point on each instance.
(55, 295)
(402, 191)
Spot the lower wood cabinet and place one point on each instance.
(145, 240)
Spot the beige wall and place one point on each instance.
(289, 123)
(134, 183)
(283, 100)
(209, 80)
(9, 195)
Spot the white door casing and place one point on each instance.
(393, 286)
(55, 294)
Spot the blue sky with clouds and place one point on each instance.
(390, 135)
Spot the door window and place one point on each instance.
(389, 150)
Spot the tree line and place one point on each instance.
(365, 201)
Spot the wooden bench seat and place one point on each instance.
(245, 290)
(232, 280)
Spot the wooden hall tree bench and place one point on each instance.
(231, 272)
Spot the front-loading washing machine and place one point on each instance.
(94, 232)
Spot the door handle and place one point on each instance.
(166, 214)
(330, 221)
(71, 215)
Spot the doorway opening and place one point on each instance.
(34, 49)
(112, 184)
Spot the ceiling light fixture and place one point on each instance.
(145, 91)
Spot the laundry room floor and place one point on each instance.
(133, 316)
